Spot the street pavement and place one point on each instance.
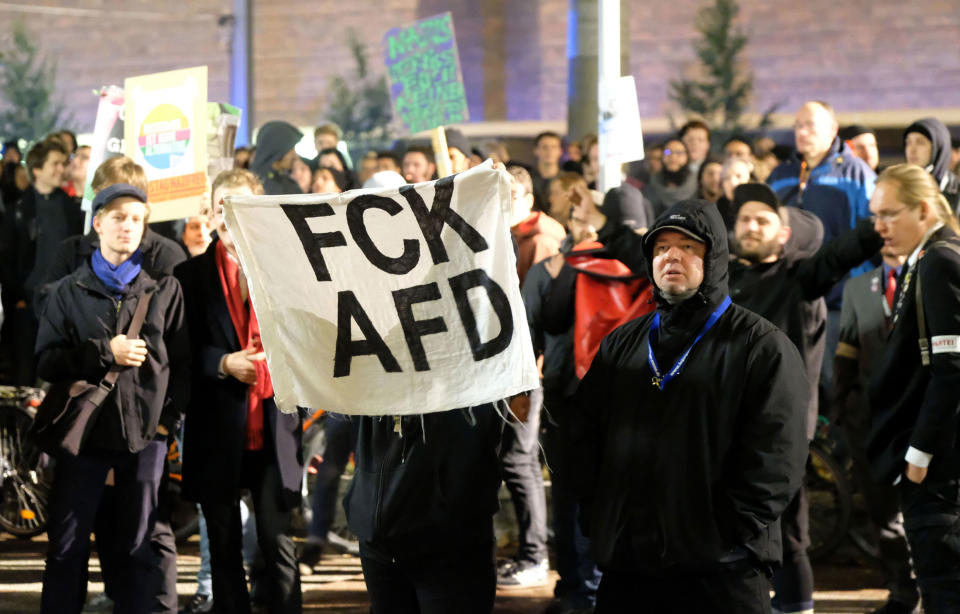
(847, 585)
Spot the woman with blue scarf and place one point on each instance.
(82, 336)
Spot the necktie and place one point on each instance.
(891, 287)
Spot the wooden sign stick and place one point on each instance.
(441, 154)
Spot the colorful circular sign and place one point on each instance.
(164, 137)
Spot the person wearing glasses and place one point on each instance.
(915, 389)
(675, 181)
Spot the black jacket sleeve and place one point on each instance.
(819, 273)
(177, 341)
(587, 428)
(61, 355)
(770, 449)
(533, 292)
(939, 270)
(559, 309)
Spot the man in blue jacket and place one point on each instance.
(828, 179)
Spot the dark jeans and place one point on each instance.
(341, 437)
(24, 340)
(885, 518)
(579, 576)
(77, 488)
(793, 582)
(931, 515)
(281, 576)
(162, 540)
(737, 589)
(520, 465)
(462, 580)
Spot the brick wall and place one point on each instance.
(860, 55)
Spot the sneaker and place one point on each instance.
(100, 603)
(522, 574)
(343, 545)
(198, 603)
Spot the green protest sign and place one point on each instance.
(425, 79)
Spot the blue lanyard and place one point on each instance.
(659, 380)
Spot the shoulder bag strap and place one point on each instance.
(110, 379)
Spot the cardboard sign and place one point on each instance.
(425, 79)
(388, 302)
(166, 133)
(622, 129)
(107, 141)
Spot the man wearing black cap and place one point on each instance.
(693, 435)
(82, 335)
(863, 141)
(781, 273)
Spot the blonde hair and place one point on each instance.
(233, 178)
(567, 180)
(915, 186)
(119, 169)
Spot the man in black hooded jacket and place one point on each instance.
(926, 143)
(275, 156)
(683, 481)
(781, 273)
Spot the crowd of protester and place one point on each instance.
(782, 282)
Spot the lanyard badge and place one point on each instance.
(660, 380)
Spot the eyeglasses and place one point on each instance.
(674, 152)
(887, 217)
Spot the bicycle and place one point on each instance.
(26, 473)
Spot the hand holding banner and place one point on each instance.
(395, 301)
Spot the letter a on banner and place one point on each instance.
(388, 301)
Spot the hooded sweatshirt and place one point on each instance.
(939, 166)
(789, 292)
(274, 140)
(682, 478)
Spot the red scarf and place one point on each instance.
(248, 333)
(608, 295)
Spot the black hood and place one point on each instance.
(274, 140)
(702, 218)
(939, 136)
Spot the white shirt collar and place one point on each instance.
(912, 260)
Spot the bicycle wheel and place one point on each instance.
(831, 501)
(26, 476)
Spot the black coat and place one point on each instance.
(160, 256)
(432, 487)
(789, 292)
(73, 342)
(40, 224)
(676, 478)
(216, 420)
(915, 405)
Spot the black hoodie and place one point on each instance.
(939, 166)
(274, 140)
(789, 292)
(686, 477)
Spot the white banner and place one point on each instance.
(388, 301)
